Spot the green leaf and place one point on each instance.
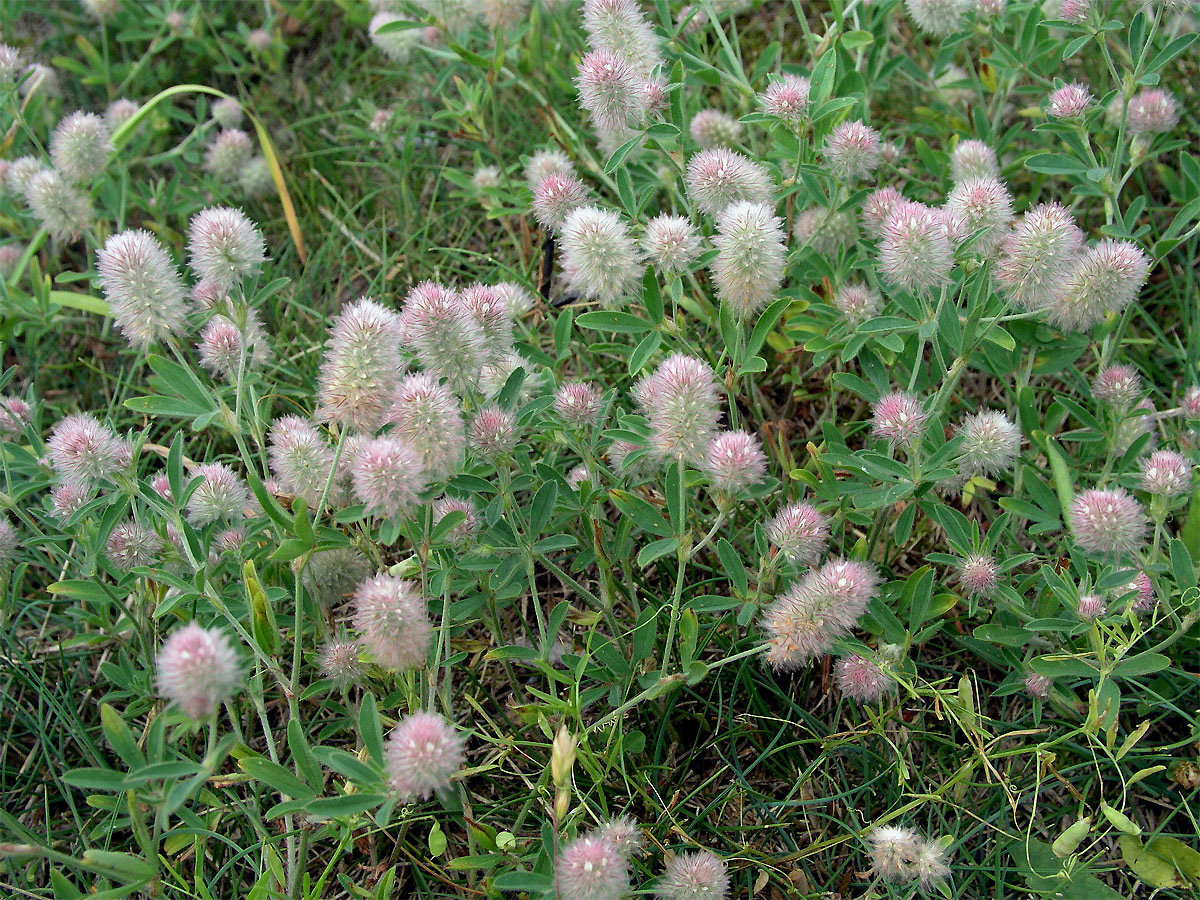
(1162, 862)
(1055, 164)
(349, 805)
(620, 322)
(656, 549)
(276, 777)
(532, 883)
(82, 302)
(651, 295)
(856, 40)
(96, 779)
(370, 728)
(437, 841)
(1141, 664)
(542, 507)
(766, 322)
(124, 866)
(733, 566)
(120, 738)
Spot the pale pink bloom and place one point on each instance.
(699, 875)
(591, 868)
(423, 753)
(800, 532)
(1069, 101)
(713, 128)
(978, 575)
(221, 494)
(80, 146)
(1037, 686)
(734, 461)
(620, 27)
(464, 530)
(719, 177)
(1166, 473)
(198, 669)
(1075, 10)
(1091, 606)
(825, 230)
(1105, 279)
(361, 367)
(751, 253)
(224, 245)
(671, 243)
(984, 204)
(1151, 111)
(82, 450)
(1107, 521)
(599, 257)
(803, 622)
(492, 431)
(877, 207)
(612, 91)
(220, 346)
(857, 302)
(990, 443)
(1145, 592)
(388, 475)
(340, 662)
(544, 163)
(228, 153)
(1037, 254)
(447, 339)
(862, 679)
(899, 418)
(579, 403)
(68, 498)
(63, 209)
(427, 416)
(142, 286)
(392, 621)
(8, 541)
(300, 457)
(15, 414)
(680, 400)
(852, 150)
(578, 475)
(914, 251)
(131, 544)
(1118, 386)
(937, 17)
(930, 865)
(556, 196)
(973, 159)
(787, 98)
(892, 851)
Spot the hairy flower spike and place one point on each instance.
(990, 443)
(1036, 255)
(1165, 473)
(714, 128)
(1075, 11)
(1151, 111)
(221, 495)
(787, 98)
(973, 159)
(492, 431)
(892, 851)
(227, 153)
(914, 252)
(978, 575)
(1037, 686)
(1105, 279)
(423, 753)
(15, 414)
(857, 303)
(224, 245)
(800, 532)
(748, 270)
(862, 679)
(427, 415)
(391, 618)
(446, 338)
(899, 418)
(1118, 386)
(1069, 101)
(852, 150)
(671, 243)
(131, 544)
(876, 209)
(592, 867)
(388, 474)
(734, 461)
(142, 286)
(680, 400)
(940, 18)
(544, 163)
(198, 669)
(485, 305)
(983, 204)
(612, 91)
(361, 365)
(718, 178)
(555, 197)
(80, 146)
(620, 27)
(340, 662)
(579, 403)
(1091, 606)
(8, 541)
(699, 875)
(1107, 521)
(62, 208)
(803, 622)
(83, 451)
(300, 457)
(599, 257)
(465, 530)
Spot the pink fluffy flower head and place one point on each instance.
(984, 204)
(361, 365)
(131, 544)
(221, 494)
(914, 251)
(973, 159)
(220, 346)
(862, 679)
(142, 287)
(787, 98)
(877, 207)
(427, 415)
(680, 400)
(719, 177)
(1118, 386)
(1037, 686)
(699, 875)
(612, 91)
(1107, 521)
(228, 153)
(620, 27)
(555, 197)
(734, 461)
(80, 146)
(487, 307)
(8, 541)
(300, 458)
(446, 338)
(978, 575)
(899, 418)
(1151, 111)
(990, 443)
(198, 669)
(68, 498)
(224, 245)
(751, 251)
(579, 403)
(1145, 592)
(340, 663)
(671, 243)
(857, 302)
(1037, 254)
(1075, 11)
(423, 753)
(852, 150)
(803, 622)
(544, 163)
(82, 450)
(1091, 606)
(1069, 101)
(392, 621)
(940, 18)
(388, 475)
(492, 431)
(1166, 473)
(1105, 279)
(591, 867)
(63, 209)
(15, 414)
(714, 128)
(599, 257)
(800, 532)
(464, 530)
(892, 851)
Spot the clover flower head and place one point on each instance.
(1107, 521)
(719, 177)
(198, 669)
(599, 257)
(751, 252)
(423, 753)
